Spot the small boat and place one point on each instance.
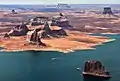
(54, 58)
(95, 69)
(78, 69)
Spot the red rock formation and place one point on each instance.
(107, 10)
(34, 38)
(95, 68)
(19, 30)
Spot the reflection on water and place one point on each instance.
(91, 78)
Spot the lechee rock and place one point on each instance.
(95, 69)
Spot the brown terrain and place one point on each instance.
(74, 41)
(77, 38)
(85, 22)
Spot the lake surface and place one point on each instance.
(55, 66)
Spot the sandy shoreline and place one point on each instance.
(104, 33)
(68, 49)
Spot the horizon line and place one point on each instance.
(64, 3)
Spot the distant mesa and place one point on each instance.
(107, 10)
(105, 13)
(14, 12)
(62, 5)
(59, 6)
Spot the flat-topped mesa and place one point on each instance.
(107, 10)
(61, 21)
(38, 21)
(14, 12)
(34, 37)
(61, 5)
(18, 30)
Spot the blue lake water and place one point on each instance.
(55, 66)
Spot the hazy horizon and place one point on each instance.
(37, 2)
(59, 3)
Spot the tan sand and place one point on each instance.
(74, 41)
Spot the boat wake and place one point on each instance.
(55, 58)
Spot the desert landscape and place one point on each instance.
(63, 37)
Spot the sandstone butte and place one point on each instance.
(74, 41)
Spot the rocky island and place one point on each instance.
(43, 33)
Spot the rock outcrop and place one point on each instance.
(6, 35)
(108, 13)
(50, 31)
(19, 30)
(60, 21)
(54, 31)
(34, 37)
(107, 10)
(14, 12)
(94, 68)
(38, 21)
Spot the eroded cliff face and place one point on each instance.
(37, 21)
(94, 67)
(35, 38)
(53, 32)
(61, 21)
(36, 35)
(19, 30)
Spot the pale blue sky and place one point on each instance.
(59, 1)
